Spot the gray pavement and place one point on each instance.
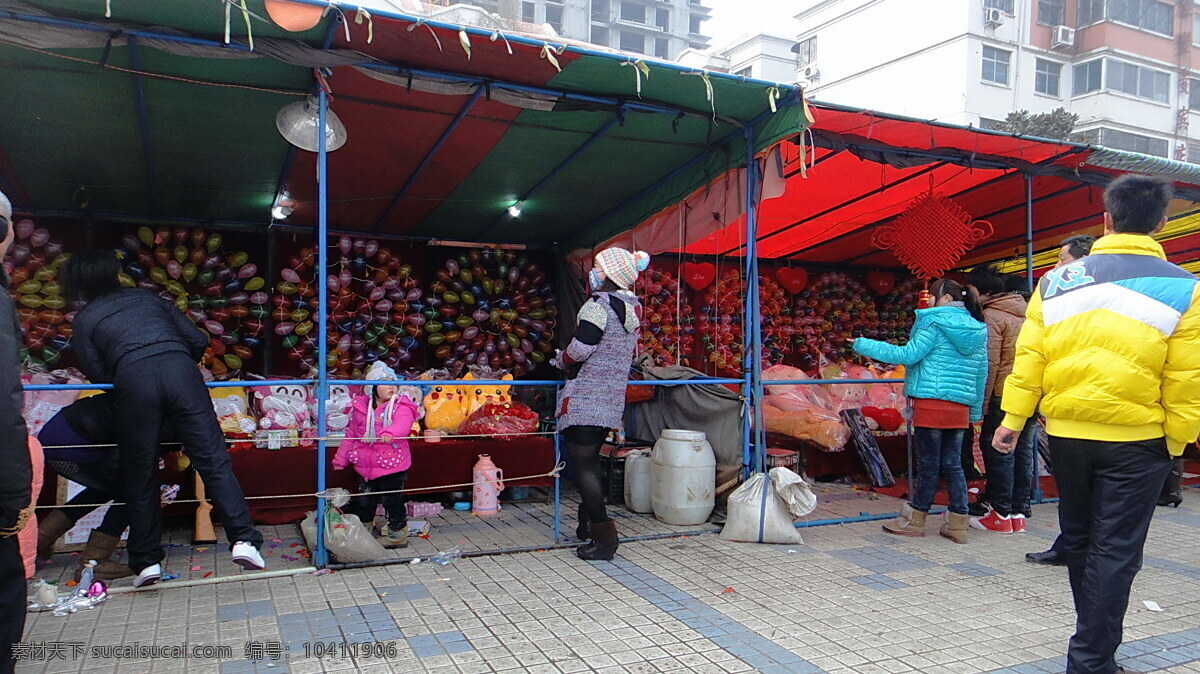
(850, 599)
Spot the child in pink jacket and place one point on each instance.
(376, 445)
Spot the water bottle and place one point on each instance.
(448, 557)
(85, 578)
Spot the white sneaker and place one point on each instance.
(149, 576)
(247, 556)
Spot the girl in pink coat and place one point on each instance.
(376, 445)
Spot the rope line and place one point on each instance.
(410, 438)
(554, 472)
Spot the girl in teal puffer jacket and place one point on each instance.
(946, 361)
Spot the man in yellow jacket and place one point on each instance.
(1111, 351)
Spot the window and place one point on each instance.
(1087, 77)
(600, 35)
(1193, 153)
(694, 24)
(662, 47)
(600, 10)
(1193, 96)
(1052, 12)
(632, 11)
(528, 10)
(995, 65)
(1133, 142)
(662, 18)
(1090, 11)
(554, 17)
(991, 124)
(1137, 81)
(1147, 14)
(632, 42)
(1005, 6)
(1196, 29)
(1151, 15)
(806, 52)
(1047, 77)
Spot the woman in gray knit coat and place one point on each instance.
(592, 401)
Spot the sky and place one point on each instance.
(731, 18)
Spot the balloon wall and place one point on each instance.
(490, 307)
(374, 308)
(667, 323)
(720, 321)
(32, 263)
(220, 290)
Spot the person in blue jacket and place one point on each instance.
(946, 361)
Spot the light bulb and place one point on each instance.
(280, 212)
(515, 209)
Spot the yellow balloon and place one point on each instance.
(287, 288)
(255, 283)
(181, 253)
(212, 243)
(125, 280)
(176, 289)
(29, 287)
(304, 328)
(45, 273)
(158, 275)
(189, 272)
(238, 259)
(232, 361)
(51, 288)
(300, 315)
(181, 303)
(54, 302)
(146, 235)
(31, 301)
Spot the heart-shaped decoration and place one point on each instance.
(881, 282)
(792, 279)
(698, 275)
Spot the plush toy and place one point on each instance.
(284, 408)
(479, 396)
(445, 408)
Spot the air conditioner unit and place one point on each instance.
(810, 72)
(1062, 36)
(993, 16)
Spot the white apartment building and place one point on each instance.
(660, 28)
(1124, 66)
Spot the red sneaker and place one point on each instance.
(1018, 523)
(993, 521)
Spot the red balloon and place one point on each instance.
(881, 282)
(792, 279)
(698, 275)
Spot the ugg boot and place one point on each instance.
(956, 527)
(910, 522)
(100, 547)
(583, 532)
(604, 542)
(50, 529)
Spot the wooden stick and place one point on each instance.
(203, 532)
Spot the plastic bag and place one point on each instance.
(752, 520)
(794, 491)
(503, 421)
(41, 406)
(345, 536)
(805, 421)
(232, 407)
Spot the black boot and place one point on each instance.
(583, 531)
(1050, 557)
(604, 542)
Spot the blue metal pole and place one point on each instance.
(557, 486)
(1037, 483)
(557, 169)
(139, 90)
(321, 558)
(753, 311)
(412, 178)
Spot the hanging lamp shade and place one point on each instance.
(293, 16)
(297, 123)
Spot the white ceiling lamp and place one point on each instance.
(515, 209)
(297, 123)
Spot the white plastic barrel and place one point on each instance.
(684, 477)
(637, 481)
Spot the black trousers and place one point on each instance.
(365, 504)
(161, 390)
(582, 447)
(1107, 495)
(12, 600)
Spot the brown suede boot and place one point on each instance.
(604, 542)
(100, 547)
(956, 527)
(50, 529)
(910, 522)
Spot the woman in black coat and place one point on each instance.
(148, 350)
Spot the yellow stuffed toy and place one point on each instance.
(445, 408)
(481, 395)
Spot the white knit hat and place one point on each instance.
(622, 266)
(379, 371)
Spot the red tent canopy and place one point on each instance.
(857, 170)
